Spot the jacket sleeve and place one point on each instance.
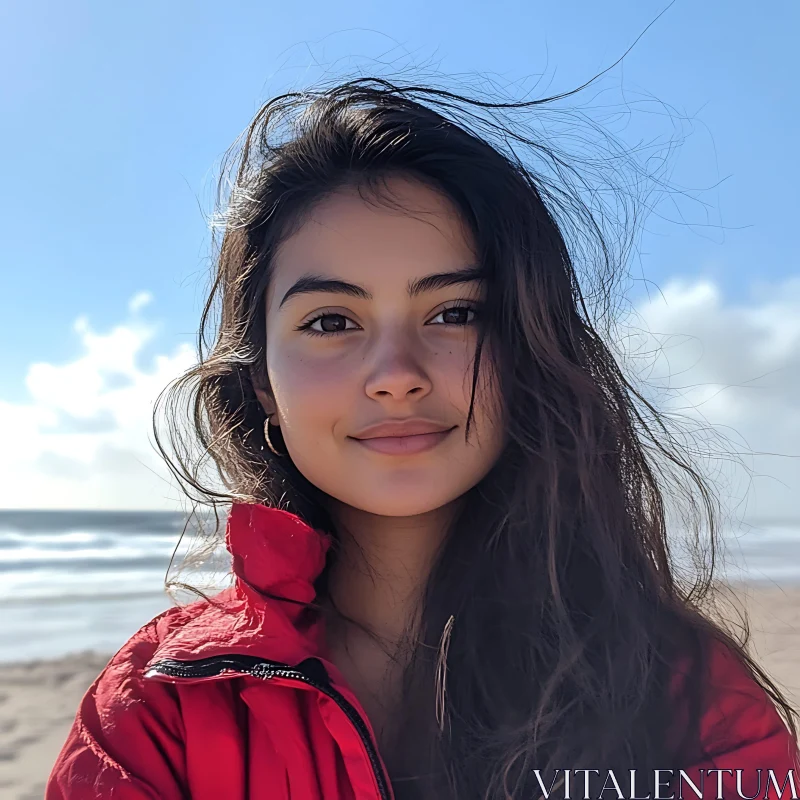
(127, 738)
(748, 745)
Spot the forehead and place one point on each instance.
(376, 241)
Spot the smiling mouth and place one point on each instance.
(405, 445)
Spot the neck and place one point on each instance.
(382, 566)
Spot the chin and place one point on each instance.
(389, 502)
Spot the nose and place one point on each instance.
(398, 373)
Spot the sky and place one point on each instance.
(115, 118)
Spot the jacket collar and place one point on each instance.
(274, 554)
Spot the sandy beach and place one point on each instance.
(38, 699)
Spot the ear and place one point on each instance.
(263, 391)
(266, 400)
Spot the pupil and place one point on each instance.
(456, 311)
(339, 324)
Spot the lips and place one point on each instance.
(404, 445)
(401, 428)
(403, 437)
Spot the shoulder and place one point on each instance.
(129, 663)
(123, 680)
(121, 695)
(740, 727)
(735, 704)
(128, 730)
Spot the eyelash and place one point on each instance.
(306, 326)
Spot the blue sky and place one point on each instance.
(115, 116)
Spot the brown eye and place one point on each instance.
(331, 323)
(457, 315)
(327, 325)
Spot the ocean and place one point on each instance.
(87, 580)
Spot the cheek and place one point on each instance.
(455, 366)
(488, 410)
(307, 388)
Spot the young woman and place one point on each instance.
(452, 574)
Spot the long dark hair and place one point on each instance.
(567, 613)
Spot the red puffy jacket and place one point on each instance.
(234, 699)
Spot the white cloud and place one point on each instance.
(735, 365)
(139, 301)
(83, 438)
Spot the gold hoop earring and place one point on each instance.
(266, 436)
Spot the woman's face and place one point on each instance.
(400, 355)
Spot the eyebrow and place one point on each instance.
(310, 283)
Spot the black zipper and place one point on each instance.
(311, 671)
